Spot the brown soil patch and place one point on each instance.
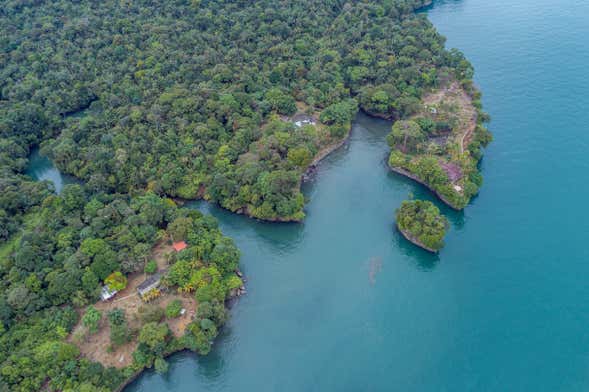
(160, 254)
(455, 96)
(453, 170)
(96, 347)
(178, 324)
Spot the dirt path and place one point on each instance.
(455, 94)
(465, 139)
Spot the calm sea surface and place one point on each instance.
(343, 303)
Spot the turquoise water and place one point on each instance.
(41, 168)
(343, 303)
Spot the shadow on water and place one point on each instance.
(456, 218)
(421, 258)
(377, 128)
(283, 236)
(212, 366)
(349, 227)
(437, 3)
(209, 367)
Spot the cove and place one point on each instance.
(319, 293)
(341, 302)
(505, 306)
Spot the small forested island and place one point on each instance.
(420, 222)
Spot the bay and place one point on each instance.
(342, 303)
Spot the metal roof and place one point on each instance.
(148, 283)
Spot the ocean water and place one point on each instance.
(342, 303)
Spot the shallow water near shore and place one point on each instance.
(341, 302)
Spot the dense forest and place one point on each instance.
(145, 101)
(72, 244)
(189, 98)
(420, 222)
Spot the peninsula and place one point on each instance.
(146, 102)
(184, 102)
(113, 285)
(440, 145)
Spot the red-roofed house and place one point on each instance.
(178, 246)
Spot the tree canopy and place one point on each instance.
(421, 222)
(145, 101)
(62, 259)
(179, 97)
(442, 143)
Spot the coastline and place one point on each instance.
(407, 174)
(415, 241)
(228, 304)
(322, 154)
(426, 4)
(305, 176)
(135, 375)
(378, 115)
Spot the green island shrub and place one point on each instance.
(91, 319)
(173, 309)
(422, 222)
(150, 267)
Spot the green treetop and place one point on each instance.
(421, 222)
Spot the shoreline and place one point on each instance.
(138, 373)
(322, 154)
(426, 4)
(305, 176)
(382, 116)
(415, 241)
(133, 377)
(408, 174)
(228, 304)
(469, 117)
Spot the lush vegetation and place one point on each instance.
(145, 100)
(441, 144)
(18, 195)
(188, 98)
(421, 222)
(78, 242)
(173, 309)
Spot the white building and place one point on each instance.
(107, 293)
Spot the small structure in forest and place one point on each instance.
(180, 245)
(106, 293)
(303, 119)
(150, 284)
